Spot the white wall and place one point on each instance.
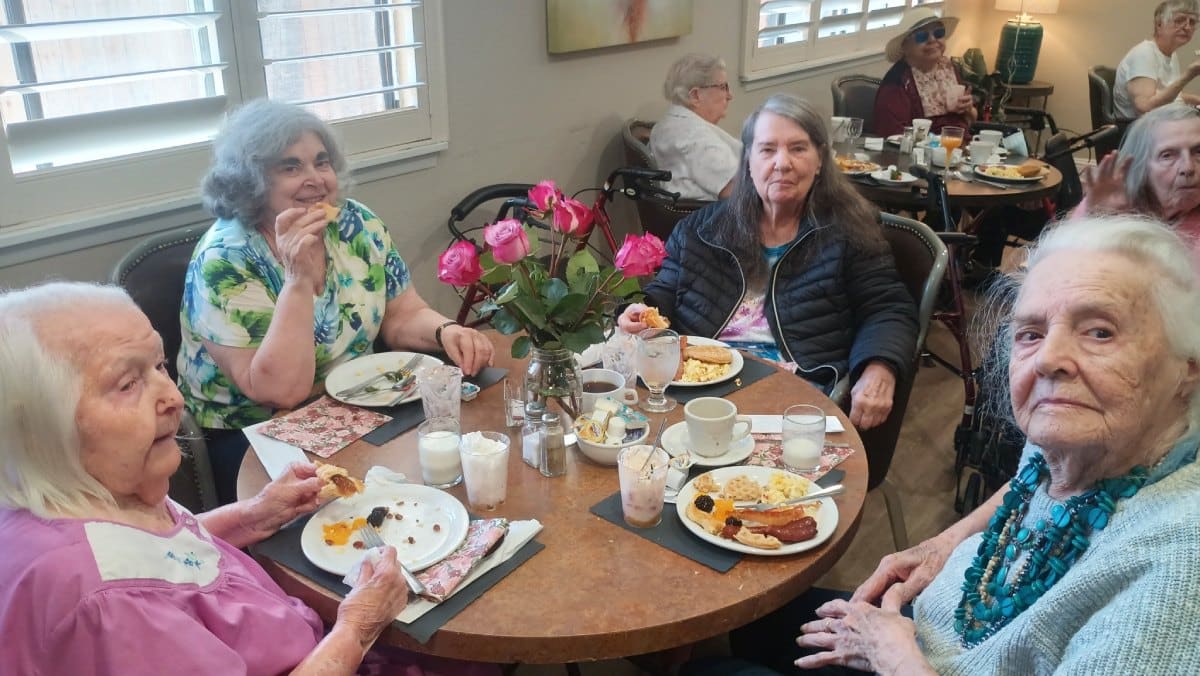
(518, 114)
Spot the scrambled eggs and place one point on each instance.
(696, 371)
(782, 487)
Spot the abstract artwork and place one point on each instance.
(574, 25)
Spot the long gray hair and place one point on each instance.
(832, 200)
(41, 468)
(691, 70)
(1138, 144)
(253, 138)
(1162, 254)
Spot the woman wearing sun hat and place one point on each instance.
(923, 80)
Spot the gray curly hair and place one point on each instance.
(253, 138)
(692, 70)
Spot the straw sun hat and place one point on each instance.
(915, 19)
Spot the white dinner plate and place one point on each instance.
(734, 368)
(435, 520)
(675, 442)
(885, 176)
(826, 516)
(362, 369)
(980, 170)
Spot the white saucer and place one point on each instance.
(675, 442)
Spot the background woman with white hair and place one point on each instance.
(1149, 76)
(702, 157)
(1085, 564)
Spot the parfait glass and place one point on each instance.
(952, 137)
(657, 361)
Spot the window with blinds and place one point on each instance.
(125, 85)
(783, 36)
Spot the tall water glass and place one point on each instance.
(853, 131)
(803, 437)
(657, 361)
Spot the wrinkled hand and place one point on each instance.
(860, 636)
(300, 241)
(1193, 70)
(899, 577)
(293, 494)
(871, 398)
(630, 320)
(468, 348)
(964, 103)
(377, 598)
(1104, 185)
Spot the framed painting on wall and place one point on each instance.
(575, 25)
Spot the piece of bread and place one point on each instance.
(650, 317)
(1029, 170)
(338, 482)
(709, 354)
(706, 520)
(758, 540)
(331, 212)
(742, 488)
(777, 516)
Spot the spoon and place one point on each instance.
(657, 437)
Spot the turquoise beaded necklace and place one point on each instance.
(990, 600)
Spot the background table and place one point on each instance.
(596, 591)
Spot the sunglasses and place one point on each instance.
(723, 86)
(922, 36)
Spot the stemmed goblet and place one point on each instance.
(853, 130)
(657, 361)
(952, 137)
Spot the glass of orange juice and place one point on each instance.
(952, 137)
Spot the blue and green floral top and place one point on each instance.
(229, 299)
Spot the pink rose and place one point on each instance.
(572, 217)
(544, 196)
(459, 265)
(507, 240)
(640, 256)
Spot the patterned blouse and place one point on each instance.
(229, 299)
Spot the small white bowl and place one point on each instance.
(606, 454)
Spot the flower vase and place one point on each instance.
(552, 378)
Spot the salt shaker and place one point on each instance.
(554, 448)
(531, 434)
(906, 141)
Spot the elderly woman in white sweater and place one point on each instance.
(1086, 563)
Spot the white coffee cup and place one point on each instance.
(600, 383)
(991, 136)
(921, 127)
(939, 157)
(981, 151)
(838, 126)
(714, 426)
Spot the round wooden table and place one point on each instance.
(596, 591)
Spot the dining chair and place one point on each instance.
(658, 216)
(153, 273)
(854, 96)
(921, 260)
(1101, 80)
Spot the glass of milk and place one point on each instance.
(485, 467)
(437, 447)
(803, 437)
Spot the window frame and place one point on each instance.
(154, 187)
(760, 63)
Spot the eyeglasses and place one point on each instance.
(922, 36)
(1182, 20)
(723, 86)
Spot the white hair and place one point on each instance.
(41, 466)
(690, 70)
(1165, 258)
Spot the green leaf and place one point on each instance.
(507, 293)
(627, 286)
(581, 266)
(531, 309)
(570, 308)
(552, 291)
(504, 322)
(520, 347)
(583, 338)
(535, 244)
(496, 275)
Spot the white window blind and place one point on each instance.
(784, 36)
(110, 101)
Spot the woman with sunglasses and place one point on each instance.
(923, 83)
(1149, 76)
(701, 157)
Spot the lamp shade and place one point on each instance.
(1029, 6)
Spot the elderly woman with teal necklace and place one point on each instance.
(1088, 562)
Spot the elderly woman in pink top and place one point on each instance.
(1156, 172)
(104, 574)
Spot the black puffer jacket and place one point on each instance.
(831, 315)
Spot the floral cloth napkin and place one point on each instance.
(324, 427)
(443, 577)
(768, 452)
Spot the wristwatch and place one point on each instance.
(437, 334)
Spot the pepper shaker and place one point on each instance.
(554, 448)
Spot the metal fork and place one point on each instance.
(972, 179)
(372, 540)
(837, 489)
(400, 377)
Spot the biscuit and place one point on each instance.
(331, 212)
(1029, 170)
(650, 317)
(742, 487)
(710, 354)
(338, 482)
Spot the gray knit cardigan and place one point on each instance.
(1129, 605)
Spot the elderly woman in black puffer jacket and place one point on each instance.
(792, 267)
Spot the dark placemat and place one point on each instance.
(752, 372)
(284, 547)
(671, 533)
(408, 415)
